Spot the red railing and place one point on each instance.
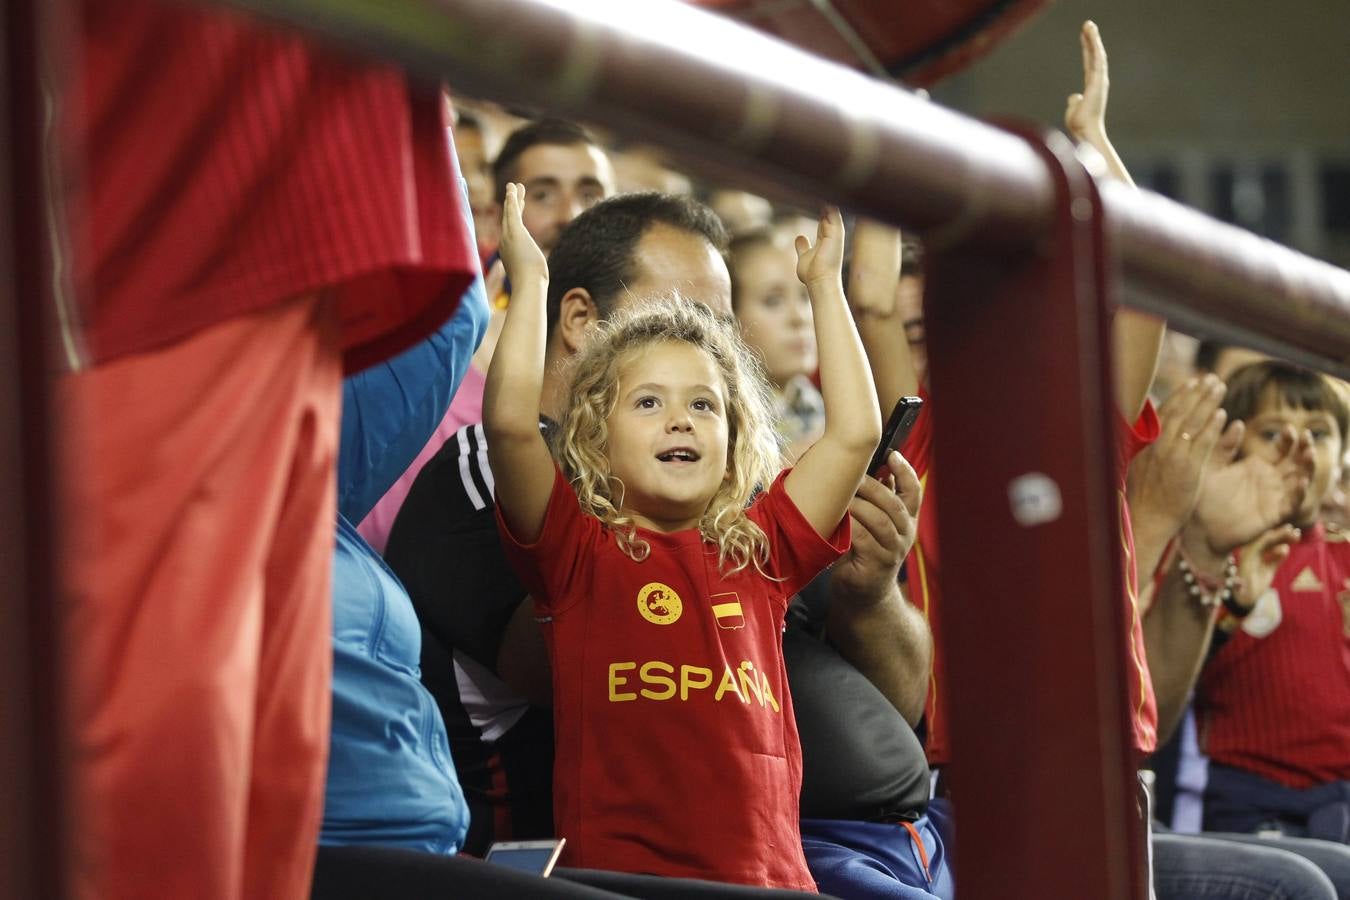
(732, 103)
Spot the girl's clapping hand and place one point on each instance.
(822, 262)
(520, 254)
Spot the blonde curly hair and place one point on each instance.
(754, 451)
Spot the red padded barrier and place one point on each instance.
(920, 43)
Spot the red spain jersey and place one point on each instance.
(1275, 697)
(923, 574)
(676, 746)
(216, 167)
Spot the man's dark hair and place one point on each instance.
(550, 132)
(1207, 354)
(597, 249)
(467, 121)
(1296, 386)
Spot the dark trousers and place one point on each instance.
(1244, 802)
(359, 873)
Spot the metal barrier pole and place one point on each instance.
(1033, 632)
(30, 795)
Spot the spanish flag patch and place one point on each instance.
(726, 609)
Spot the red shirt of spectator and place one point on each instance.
(217, 167)
(1275, 698)
(676, 746)
(922, 571)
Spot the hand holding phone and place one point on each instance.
(898, 427)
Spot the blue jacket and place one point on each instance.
(391, 780)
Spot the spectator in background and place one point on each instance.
(220, 295)
(1187, 482)
(909, 306)
(1224, 359)
(639, 168)
(1176, 364)
(774, 313)
(471, 146)
(741, 212)
(564, 172)
(1273, 700)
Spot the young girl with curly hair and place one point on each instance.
(662, 586)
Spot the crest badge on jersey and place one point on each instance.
(726, 609)
(659, 604)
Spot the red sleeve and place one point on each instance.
(796, 552)
(918, 447)
(218, 166)
(560, 558)
(1130, 440)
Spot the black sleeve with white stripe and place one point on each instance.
(445, 548)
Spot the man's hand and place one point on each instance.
(822, 262)
(874, 272)
(885, 520)
(1260, 559)
(1244, 499)
(871, 625)
(1085, 113)
(1165, 480)
(522, 257)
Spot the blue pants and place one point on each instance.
(1333, 859)
(874, 861)
(1196, 867)
(1244, 802)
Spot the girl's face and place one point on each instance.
(668, 435)
(1263, 438)
(774, 311)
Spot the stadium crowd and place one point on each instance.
(438, 476)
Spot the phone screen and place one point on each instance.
(537, 859)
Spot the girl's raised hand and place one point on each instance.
(520, 254)
(822, 263)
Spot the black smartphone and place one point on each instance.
(902, 420)
(535, 857)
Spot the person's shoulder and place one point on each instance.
(460, 470)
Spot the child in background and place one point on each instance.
(1273, 701)
(662, 593)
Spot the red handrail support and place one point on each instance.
(1034, 639)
